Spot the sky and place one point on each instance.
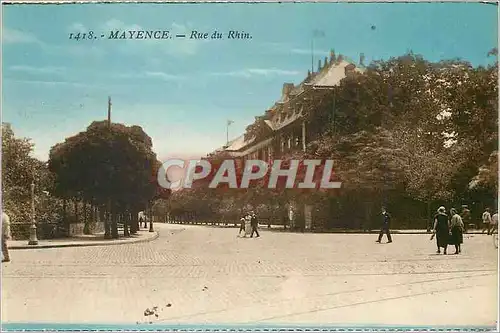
(183, 91)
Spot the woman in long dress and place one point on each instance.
(441, 229)
(456, 229)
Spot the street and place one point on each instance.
(197, 274)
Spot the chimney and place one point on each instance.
(349, 70)
(362, 59)
(332, 56)
(340, 58)
(287, 88)
(319, 65)
(308, 74)
(326, 62)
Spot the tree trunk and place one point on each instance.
(86, 221)
(65, 215)
(114, 223)
(368, 215)
(151, 219)
(126, 219)
(75, 206)
(107, 221)
(429, 217)
(133, 222)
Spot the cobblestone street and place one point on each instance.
(196, 274)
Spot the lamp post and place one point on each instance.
(150, 208)
(33, 239)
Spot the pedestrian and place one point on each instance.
(486, 220)
(466, 217)
(248, 224)
(386, 219)
(254, 223)
(494, 222)
(441, 229)
(5, 236)
(456, 231)
(242, 227)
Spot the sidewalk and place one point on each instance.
(280, 228)
(84, 240)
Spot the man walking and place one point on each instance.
(254, 223)
(5, 236)
(386, 219)
(486, 220)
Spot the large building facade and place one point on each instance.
(289, 124)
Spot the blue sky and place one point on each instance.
(183, 91)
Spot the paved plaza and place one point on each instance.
(206, 275)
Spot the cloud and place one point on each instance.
(155, 75)
(37, 70)
(308, 52)
(77, 28)
(181, 141)
(258, 72)
(14, 36)
(50, 83)
(75, 50)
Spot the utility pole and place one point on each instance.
(109, 111)
(229, 123)
(108, 224)
(315, 33)
(312, 55)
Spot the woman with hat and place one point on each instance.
(441, 230)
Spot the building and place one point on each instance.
(287, 125)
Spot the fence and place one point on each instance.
(222, 222)
(49, 230)
(318, 225)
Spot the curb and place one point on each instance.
(263, 227)
(84, 244)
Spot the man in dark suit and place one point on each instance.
(386, 220)
(254, 223)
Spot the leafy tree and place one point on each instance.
(112, 167)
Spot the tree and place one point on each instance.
(18, 172)
(111, 166)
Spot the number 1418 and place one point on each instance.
(82, 35)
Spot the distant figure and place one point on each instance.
(386, 220)
(141, 219)
(254, 223)
(494, 222)
(5, 236)
(441, 229)
(248, 224)
(242, 227)
(486, 220)
(466, 217)
(456, 230)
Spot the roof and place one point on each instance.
(238, 143)
(252, 148)
(270, 124)
(329, 75)
(333, 75)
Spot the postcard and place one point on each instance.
(249, 166)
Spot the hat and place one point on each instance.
(441, 209)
